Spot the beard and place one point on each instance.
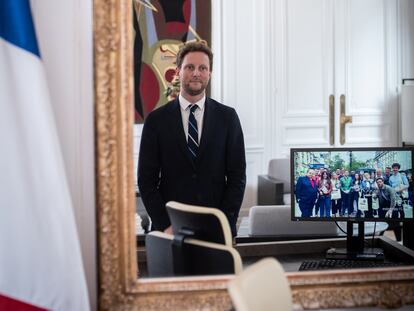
(194, 91)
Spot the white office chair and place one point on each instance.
(262, 286)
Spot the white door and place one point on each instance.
(341, 52)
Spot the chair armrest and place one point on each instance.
(269, 191)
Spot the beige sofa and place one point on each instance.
(275, 220)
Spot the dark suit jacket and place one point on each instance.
(304, 190)
(166, 171)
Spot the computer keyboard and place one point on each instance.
(330, 264)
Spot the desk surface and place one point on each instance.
(292, 253)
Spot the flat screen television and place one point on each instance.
(353, 185)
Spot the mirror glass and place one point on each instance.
(256, 78)
(261, 53)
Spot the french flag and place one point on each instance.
(40, 259)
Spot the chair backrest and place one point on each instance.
(205, 223)
(280, 169)
(262, 286)
(195, 257)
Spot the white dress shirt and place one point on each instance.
(185, 113)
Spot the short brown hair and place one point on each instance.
(199, 46)
(396, 165)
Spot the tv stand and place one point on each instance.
(355, 248)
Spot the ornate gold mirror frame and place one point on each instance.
(119, 286)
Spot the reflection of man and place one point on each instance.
(378, 174)
(192, 149)
(306, 193)
(346, 185)
(387, 175)
(338, 173)
(352, 175)
(386, 199)
(399, 182)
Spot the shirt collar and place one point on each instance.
(185, 103)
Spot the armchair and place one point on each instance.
(274, 187)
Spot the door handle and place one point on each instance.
(344, 119)
(331, 120)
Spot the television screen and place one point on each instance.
(352, 184)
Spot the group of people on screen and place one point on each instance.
(340, 193)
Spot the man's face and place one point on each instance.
(387, 171)
(311, 173)
(346, 173)
(395, 169)
(380, 183)
(194, 73)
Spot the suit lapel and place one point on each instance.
(177, 125)
(207, 126)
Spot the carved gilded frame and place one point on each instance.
(119, 286)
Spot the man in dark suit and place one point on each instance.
(192, 148)
(387, 200)
(306, 192)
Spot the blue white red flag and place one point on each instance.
(40, 258)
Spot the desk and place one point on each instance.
(293, 252)
(329, 289)
(385, 287)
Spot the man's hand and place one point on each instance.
(168, 230)
(389, 213)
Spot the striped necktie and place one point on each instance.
(192, 141)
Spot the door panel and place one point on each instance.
(364, 66)
(342, 48)
(306, 62)
(307, 73)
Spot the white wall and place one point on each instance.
(240, 78)
(406, 25)
(406, 13)
(64, 31)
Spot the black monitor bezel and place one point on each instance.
(353, 219)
